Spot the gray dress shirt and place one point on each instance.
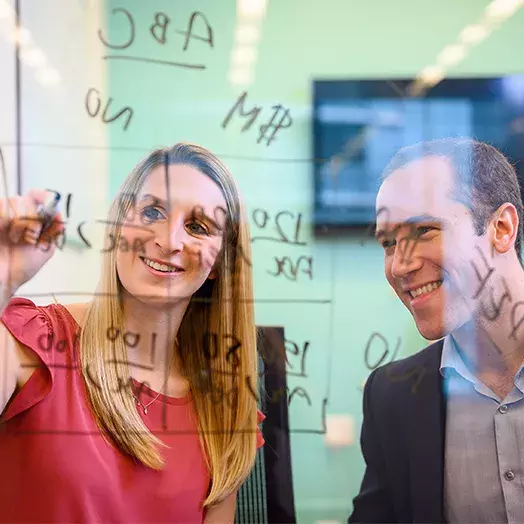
(484, 450)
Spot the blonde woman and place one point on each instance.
(137, 406)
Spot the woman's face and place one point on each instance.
(171, 238)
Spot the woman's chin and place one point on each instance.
(158, 296)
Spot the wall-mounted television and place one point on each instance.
(359, 125)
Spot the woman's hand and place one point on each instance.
(22, 251)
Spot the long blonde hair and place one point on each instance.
(221, 310)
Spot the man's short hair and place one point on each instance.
(484, 178)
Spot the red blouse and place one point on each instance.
(55, 466)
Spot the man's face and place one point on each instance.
(430, 245)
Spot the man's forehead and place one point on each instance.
(421, 187)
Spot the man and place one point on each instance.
(443, 430)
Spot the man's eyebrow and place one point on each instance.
(197, 210)
(425, 217)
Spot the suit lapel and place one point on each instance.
(426, 430)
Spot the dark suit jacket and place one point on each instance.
(403, 442)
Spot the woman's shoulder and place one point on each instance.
(41, 337)
(23, 308)
(41, 326)
(77, 311)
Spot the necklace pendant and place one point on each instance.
(145, 411)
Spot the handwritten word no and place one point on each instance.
(158, 30)
(93, 105)
(280, 119)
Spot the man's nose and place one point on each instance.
(405, 259)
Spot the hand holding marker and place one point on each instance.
(47, 211)
(19, 235)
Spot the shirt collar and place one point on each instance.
(451, 361)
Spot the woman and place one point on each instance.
(137, 406)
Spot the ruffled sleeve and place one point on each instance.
(260, 437)
(30, 326)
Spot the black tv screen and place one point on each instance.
(360, 124)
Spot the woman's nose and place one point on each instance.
(171, 236)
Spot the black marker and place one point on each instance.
(46, 212)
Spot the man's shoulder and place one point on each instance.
(430, 354)
(409, 371)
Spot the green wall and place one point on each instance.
(301, 41)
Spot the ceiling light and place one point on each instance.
(252, 8)
(21, 35)
(244, 55)
(33, 57)
(451, 55)
(431, 75)
(241, 77)
(6, 11)
(415, 88)
(473, 34)
(47, 76)
(247, 34)
(500, 9)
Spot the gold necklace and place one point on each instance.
(138, 403)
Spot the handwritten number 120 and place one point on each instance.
(261, 219)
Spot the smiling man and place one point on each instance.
(442, 429)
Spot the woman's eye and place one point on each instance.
(197, 228)
(151, 213)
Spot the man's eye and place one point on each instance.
(422, 230)
(388, 243)
(151, 213)
(197, 228)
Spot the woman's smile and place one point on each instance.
(160, 268)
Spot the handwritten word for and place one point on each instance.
(289, 269)
(280, 119)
